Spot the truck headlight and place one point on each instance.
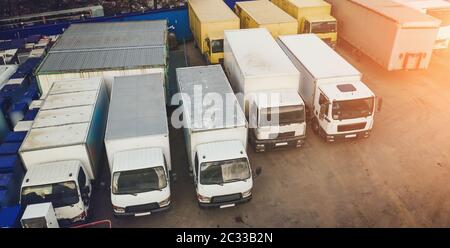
(203, 199)
(164, 203)
(260, 147)
(247, 193)
(119, 210)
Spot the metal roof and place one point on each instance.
(138, 159)
(109, 45)
(137, 107)
(210, 80)
(104, 59)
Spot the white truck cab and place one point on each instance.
(339, 104)
(64, 184)
(290, 122)
(140, 182)
(222, 174)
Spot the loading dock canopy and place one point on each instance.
(404, 16)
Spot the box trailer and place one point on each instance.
(266, 83)
(64, 147)
(215, 136)
(105, 50)
(393, 35)
(207, 20)
(137, 145)
(264, 14)
(439, 9)
(313, 16)
(339, 104)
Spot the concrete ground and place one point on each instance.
(399, 177)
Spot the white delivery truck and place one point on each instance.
(339, 104)
(216, 137)
(266, 83)
(63, 149)
(137, 145)
(394, 36)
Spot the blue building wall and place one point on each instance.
(176, 18)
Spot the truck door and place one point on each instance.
(322, 110)
(412, 61)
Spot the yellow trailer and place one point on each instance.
(208, 19)
(313, 16)
(264, 14)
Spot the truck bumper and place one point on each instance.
(142, 213)
(346, 136)
(224, 204)
(274, 144)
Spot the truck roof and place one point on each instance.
(401, 14)
(309, 3)
(212, 10)
(137, 107)
(265, 12)
(425, 4)
(258, 54)
(219, 151)
(321, 18)
(212, 80)
(76, 85)
(138, 159)
(56, 117)
(318, 58)
(359, 91)
(72, 99)
(49, 173)
(286, 98)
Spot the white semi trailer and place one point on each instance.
(339, 104)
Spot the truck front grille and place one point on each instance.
(351, 127)
(226, 198)
(282, 135)
(142, 208)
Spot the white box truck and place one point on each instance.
(63, 149)
(216, 137)
(266, 83)
(439, 9)
(394, 36)
(339, 104)
(137, 145)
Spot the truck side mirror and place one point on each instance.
(173, 177)
(257, 172)
(379, 104)
(86, 190)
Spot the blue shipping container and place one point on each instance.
(9, 148)
(15, 137)
(10, 216)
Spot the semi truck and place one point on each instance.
(216, 137)
(393, 35)
(264, 14)
(207, 20)
(313, 16)
(63, 149)
(137, 145)
(340, 106)
(266, 83)
(439, 9)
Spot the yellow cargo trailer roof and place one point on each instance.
(405, 16)
(265, 12)
(308, 3)
(212, 10)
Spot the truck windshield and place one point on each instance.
(323, 27)
(286, 115)
(217, 46)
(59, 194)
(139, 181)
(227, 171)
(351, 109)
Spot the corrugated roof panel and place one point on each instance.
(107, 59)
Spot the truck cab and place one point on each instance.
(278, 123)
(140, 182)
(222, 174)
(214, 50)
(64, 184)
(343, 111)
(324, 26)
